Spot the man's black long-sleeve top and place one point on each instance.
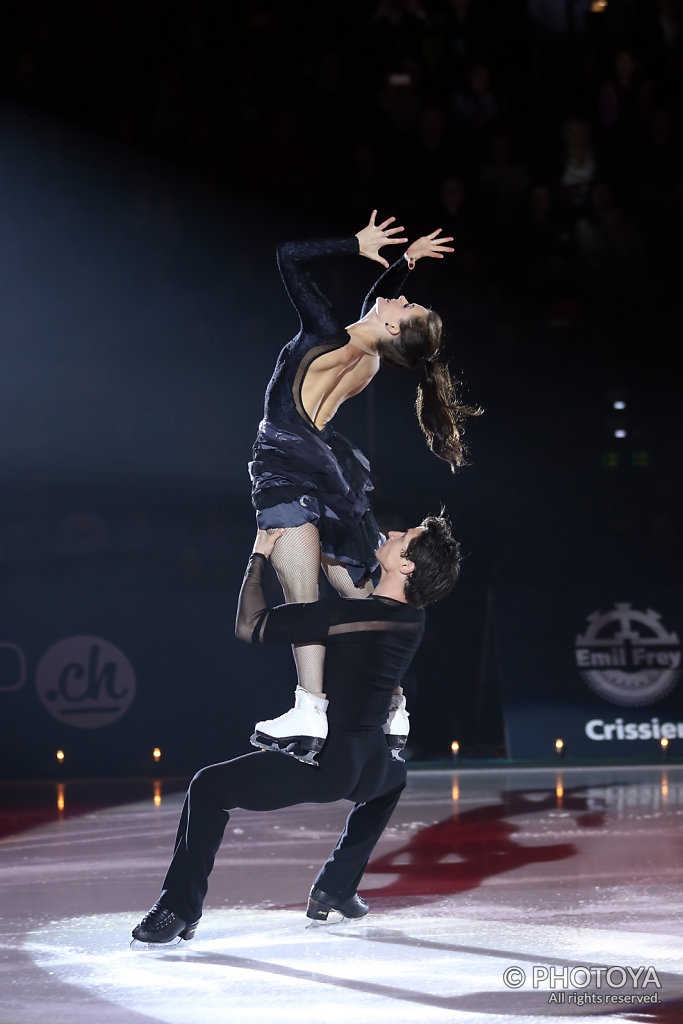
(369, 642)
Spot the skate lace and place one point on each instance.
(155, 916)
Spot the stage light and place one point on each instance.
(664, 744)
(619, 404)
(156, 754)
(455, 750)
(620, 432)
(60, 756)
(559, 746)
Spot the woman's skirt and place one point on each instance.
(317, 478)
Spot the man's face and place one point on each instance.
(391, 556)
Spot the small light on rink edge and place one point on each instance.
(60, 755)
(455, 747)
(156, 754)
(664, 742)
(559, 746)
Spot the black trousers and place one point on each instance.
(354, 765)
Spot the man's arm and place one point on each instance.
(251, 606)
(286, 623)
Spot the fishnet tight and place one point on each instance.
(297, 561)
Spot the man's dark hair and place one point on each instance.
(436, 555)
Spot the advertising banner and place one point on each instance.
(597, 669)
(106, 661)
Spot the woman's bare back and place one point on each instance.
(333, 377)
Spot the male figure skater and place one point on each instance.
(370, 643)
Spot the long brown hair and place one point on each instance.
(440, 412)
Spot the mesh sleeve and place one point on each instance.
(316, 312)
(251, 606)
(287, 623)
(390, 283)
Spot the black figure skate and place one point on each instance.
(320, 904)
(161, 927)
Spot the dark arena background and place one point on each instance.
(153, 155)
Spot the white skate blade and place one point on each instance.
(334, 917)
(148, 947)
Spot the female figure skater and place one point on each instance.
(312, 481)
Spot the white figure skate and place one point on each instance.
(397, 726)
(300, 732)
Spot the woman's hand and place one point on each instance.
(428, 245)
(374, 236)
(266, 540)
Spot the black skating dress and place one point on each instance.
(301, 474)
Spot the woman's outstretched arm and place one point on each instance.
(316, 312)
(391, 283)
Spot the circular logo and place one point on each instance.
(627, 657)
(85, 681)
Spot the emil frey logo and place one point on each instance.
(627, 656)
(85, 681)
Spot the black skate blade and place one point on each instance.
(138, 946)
(297, 746)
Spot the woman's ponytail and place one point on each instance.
(440, 413)
(439, 410)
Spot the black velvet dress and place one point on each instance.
(301, 474)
